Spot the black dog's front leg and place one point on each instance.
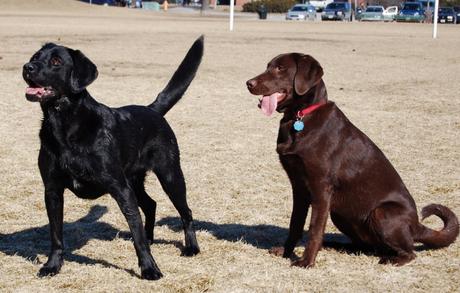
(126, 200)
(54, 208)
(54, 200)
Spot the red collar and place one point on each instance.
(309, 109)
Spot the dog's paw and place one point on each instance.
(151, 274)
(190, 251)
(278, 251)
(47, 271)
(302, 264)
(397, 260)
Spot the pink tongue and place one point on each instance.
(269, 103)
(36, 91)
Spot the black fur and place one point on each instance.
(92, 149)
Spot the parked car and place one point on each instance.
(427, 4)
(390, 12)
(447, 15)
(337, 11)
(457, 11)
(320, 4)
(372, 13)
(101, 2)
(301, 12)
(411, 12)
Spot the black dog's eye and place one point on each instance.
(35, 57)
(55, 61)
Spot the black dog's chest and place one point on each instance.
(82, 175)
(86, 190)
(75, 164)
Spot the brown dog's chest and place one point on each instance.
(286, 140)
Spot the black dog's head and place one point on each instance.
(55, 71)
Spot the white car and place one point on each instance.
(390, 13)
(301, 12)
(320, 4)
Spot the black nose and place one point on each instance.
(29, 67)
(251, 83)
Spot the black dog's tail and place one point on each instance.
(447, 235)
(181, 79)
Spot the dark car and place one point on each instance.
(447, 15)
(101, 2)
(337, 11)
(411, 12)
(457, 12)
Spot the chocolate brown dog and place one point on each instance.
(337, 169)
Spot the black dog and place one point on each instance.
(92, 149)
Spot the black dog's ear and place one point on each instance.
(84, 71)
(309, 73)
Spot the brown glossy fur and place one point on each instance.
(336, 169)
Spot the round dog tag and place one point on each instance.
(298, 125)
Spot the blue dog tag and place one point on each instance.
(298, 125)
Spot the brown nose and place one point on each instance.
(251, 83)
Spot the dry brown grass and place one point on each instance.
(392, 80)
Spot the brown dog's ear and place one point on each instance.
(84, 71)
(308, 74)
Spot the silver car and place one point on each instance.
(301, 12)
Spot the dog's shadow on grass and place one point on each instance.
(268, 236)
(30, 243)
(260, 236)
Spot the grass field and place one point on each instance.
(392, 80)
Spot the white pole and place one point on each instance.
(435, 19)
(232, 7)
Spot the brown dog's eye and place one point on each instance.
(55, 61)
(280, 68)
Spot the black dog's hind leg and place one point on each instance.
(146, 203)
(122, 192)
(54, 200)
(173, 183)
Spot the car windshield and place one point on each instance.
(411, 6)
(299, 8)
(374, 9)
(427, 4)
(445, 10)
(335, 5)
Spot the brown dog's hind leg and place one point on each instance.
(401, 243)
(392, 224)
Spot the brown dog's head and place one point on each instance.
(287, 76)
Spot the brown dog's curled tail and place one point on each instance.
(443, 238)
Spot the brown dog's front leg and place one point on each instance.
(319, 213)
